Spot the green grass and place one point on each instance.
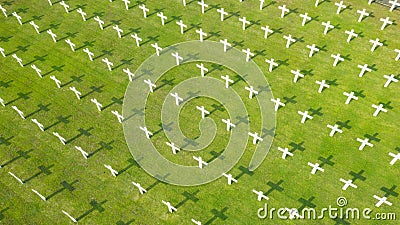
(123, 201)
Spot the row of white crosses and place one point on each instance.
(58, 83)
(328, 26)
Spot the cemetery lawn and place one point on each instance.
(98, 198)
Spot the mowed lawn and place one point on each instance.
(86, 189)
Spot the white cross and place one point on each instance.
(38, 71)
(297, 74)
(141, 189)
(315, 168)
(127, 2)
(362, 13)
(151, 85)
(364, 68)
(248, 54)
(17, 178)
(177, 98)
(379, 108)
(293, 213)
(229, 124)
(289, 39)
(313, 49)
(2, 52)
(58, 83)
(395, 158)
(19, 60)
(162, 17)
(285, 152)
(18, 17)
(305, 18)
(350, 34)
(69, 216)
(340, 7)
(118, 115)
(71, 45)
(322, 85)
(201, 162)
(203, 111)
(84, 154)
(385, 22)
(230, 178)
(305, 116)
(272, 63)
(394, 5)
(66, 7)
(316, 3)
(98, 105)
(244, 22)
(184, 2)
(227, 44)
(398, 54)
(181, 25)
(284, 10)
(278, 103)
(119, 30)
(227, 81)
(114, 173)
(266, 31)
(157, 48)
(137, 39)
(89, 53)
(261, 4)
(251, 91)
(101, 22)
(171, 209)
(76, 92)
(38, 194)
(364, 142)
(177, 58)
(2, 102)
(350, 96)
(109, 64)
(173, 147)
(129, 73)
(347, 183)
(35, 121)
(36, 27)
(375, 43)
(337, 59)
(203, 69)
(260, 195)
(62, 140)
(20, 113)
(53, 36)
(255, 137)
(223, 13)
(328, 26)
(334, 129)
(201, 34)
(4, 11)
(390, 79)
(83, 14)
(203, 6)
(145, 10)
(381, 201)
(146, 132)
